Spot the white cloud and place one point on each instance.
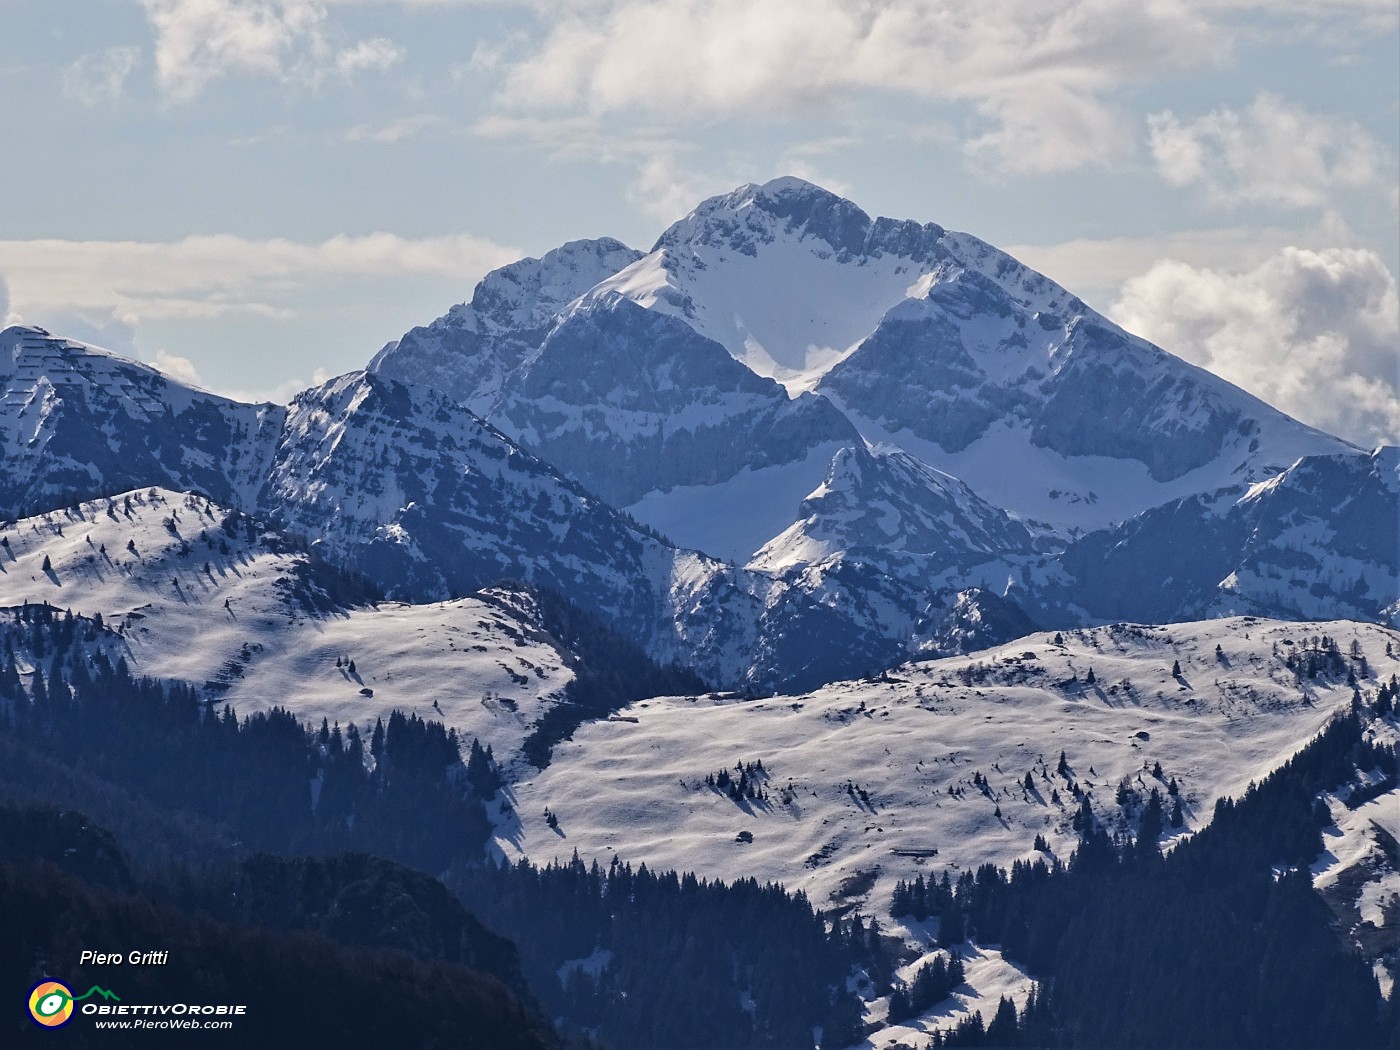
(181, 368)
(665, 180)
(665, 189)
(392, 131)
(200, 41)
(279, 393)
(101, 76)
(1271, 153)
(214, 276)
(1099, 266)
(1037, 74)
(1312, 332)
(1047, 129)
(375, 55)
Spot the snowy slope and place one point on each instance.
(635, 785)
(787, 277)
(414, 492)
(250, 620)
(733, 519)
(1048, 409)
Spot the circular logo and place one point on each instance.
(50, 1004)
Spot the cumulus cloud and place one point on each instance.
(1097, 267)
(213, 276)
(101, 76)
(1272, 153)
(200, 41)
(1037, 75)
(1311, 332)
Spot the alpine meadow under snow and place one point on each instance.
(830, 552)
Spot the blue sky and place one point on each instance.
(255, 193)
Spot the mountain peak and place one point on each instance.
(756, 214)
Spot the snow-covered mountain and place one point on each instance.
(892, 541)
(630, 401)
(403, 486)
(884, 506)
(975, 430)
(468, 351)
(78, 422)
(1321, 538)
(929, 339)
(1050, 410)
(786, 276)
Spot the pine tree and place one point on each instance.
(1002, 1030)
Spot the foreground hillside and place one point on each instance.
(203, 594)
(951, 763)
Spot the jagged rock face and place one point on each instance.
(77, 422)
(433, 503)
(884, 507)
(975, 619)
(916, 372)
(427, 500)
(1123, 401)
(754, 215)
(629, 401)
(468, 352)
(881, 537)
(1321, 538)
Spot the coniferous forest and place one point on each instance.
(1222, 943)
